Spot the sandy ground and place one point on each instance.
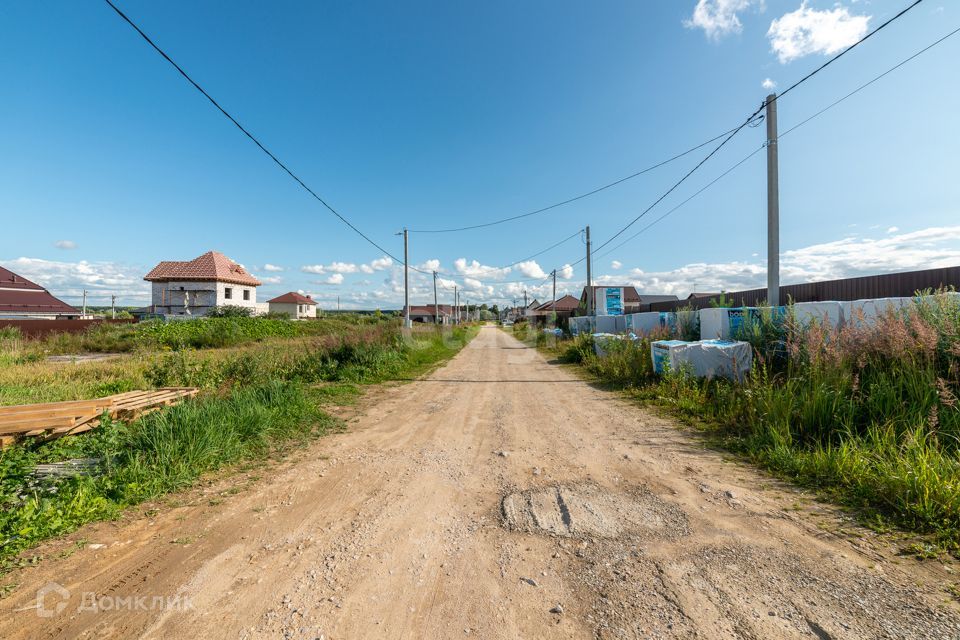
(501, 497)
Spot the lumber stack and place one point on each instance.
(55, 419)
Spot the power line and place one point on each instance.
(848, 49)
(754, 115)
(793, 128)
(701, 190)
(870, 82)
(245, 132)
(575, 198)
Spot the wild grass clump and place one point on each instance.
(215, 332)
(156, 454)
(255, 398)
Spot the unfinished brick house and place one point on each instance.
(196, 287)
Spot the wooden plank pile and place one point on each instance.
(50, 420)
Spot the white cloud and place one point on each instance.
(719, 18)
(69, 279)
(342, 267)
(313, 268)
(893, 229)
(65, 244)
(768, 84)
(381, 264)
(272, 267)
(270, 279)
(477, 270)
(336, 278)
(430, 265)
(366, 268)
(566, 272)
(807, 31)
(616, 264)
(531, 269)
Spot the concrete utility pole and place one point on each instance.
(406, 282)
(338, 304)
(589, 277)
(113, 307)
(456, 306)
(84, 302)
(524, 301)
(773, 205)
(436, 307)
(553, 305)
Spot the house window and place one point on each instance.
(228, 292)
(246, 294)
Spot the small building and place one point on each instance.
(197, 287)
(427, 313)
(295, 305)
(22, 299)
(564, 307)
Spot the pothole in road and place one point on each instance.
(587, 510)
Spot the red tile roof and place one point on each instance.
(20, 296)
(293, 297)
(211, 266)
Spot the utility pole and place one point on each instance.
(589, 276)
(436, 307)
(84, 303)
(553, 305)
(773, 205)
(456, 306)
(113, 307)
(525, 300)
(338, 303)
(406, 282)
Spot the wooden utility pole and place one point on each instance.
(773, 205)
(436, 307)
(406, 282)
(84, 303)
(456, 306)
(553, 305)
(589, 277)
(113, 307)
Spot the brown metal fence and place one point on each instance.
(41, 328)
(888, 285)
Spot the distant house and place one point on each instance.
(196, 287)
(23, 299)
(426, 313)
(294, 305)
(564, 307)
(630, 302)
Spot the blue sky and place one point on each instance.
(438, 114)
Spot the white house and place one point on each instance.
(196, 287)
(294, 305)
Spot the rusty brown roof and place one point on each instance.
(21, 296)
(211, 266)
(292, 297)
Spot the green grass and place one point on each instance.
(259, 399)
(868, 416)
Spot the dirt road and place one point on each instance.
(499, 498)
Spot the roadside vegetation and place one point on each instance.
(258, 398)
(867, 414)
